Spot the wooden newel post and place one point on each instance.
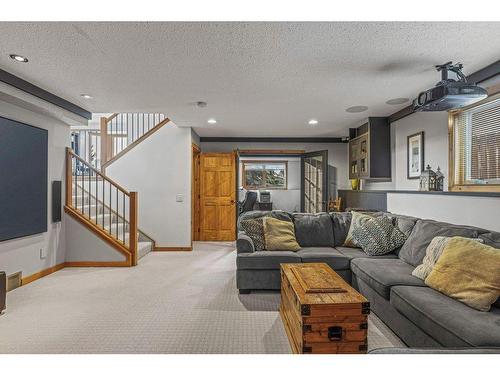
(133, 227)
(104, 140)
(69, 178)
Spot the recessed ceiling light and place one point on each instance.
(86, 96)
(18, 58)
(201, 104)
(397, 101)
(313, 122)
(357, 109)
(212, 121)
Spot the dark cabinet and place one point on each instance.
(370, 150)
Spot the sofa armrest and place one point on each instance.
(244, 243)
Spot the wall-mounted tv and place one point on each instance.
(23, 179)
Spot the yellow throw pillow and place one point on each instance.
(469, 272)
(280, 235)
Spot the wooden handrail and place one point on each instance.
(96, 171)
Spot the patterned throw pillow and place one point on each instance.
(254, 228)
(378, 236)
(280, 235)
(357, 220)
(468, 272)
(432, 254)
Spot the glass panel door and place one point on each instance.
(314, 194)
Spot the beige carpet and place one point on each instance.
(170, 303)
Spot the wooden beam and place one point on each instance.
(276, 139)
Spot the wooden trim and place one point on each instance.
(135, 143)
(133, 227)
(195, 193)
(247, 187)
(69, 178)
(271, 152)
(105, 140)
(39, 275)
(108, 119)
(161, 248)
(195, 147)
(31, 89)
(99, 173)
(461, 185)
(101, 233)
(97, 264)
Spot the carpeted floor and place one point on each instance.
(182, 302)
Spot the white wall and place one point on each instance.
(477, 211)
(337, 156)
(286, 199)
(159, 169)
(84, 245)
(23, 254)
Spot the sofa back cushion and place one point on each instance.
(314, 230)
(341, 222)
(404, 223)
(277, 214)
(413, 250)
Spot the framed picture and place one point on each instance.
(415, 155)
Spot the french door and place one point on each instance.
(314, 184)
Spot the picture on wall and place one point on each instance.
(415, 154)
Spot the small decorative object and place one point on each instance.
(355, 184)
(428, 180)
(415, 155)
(439, 180)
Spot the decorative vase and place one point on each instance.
(355, 184)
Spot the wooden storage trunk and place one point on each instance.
(321, 312)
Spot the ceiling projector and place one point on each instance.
(449, 93)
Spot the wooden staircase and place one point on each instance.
(95, 200)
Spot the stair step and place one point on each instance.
(106, 219)
(91, 210)
(144, 248)
(119, 230)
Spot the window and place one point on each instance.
(475, 147)
(264, 175)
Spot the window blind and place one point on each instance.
(477, 144)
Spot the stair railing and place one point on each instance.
(122, 131)
(102, 205)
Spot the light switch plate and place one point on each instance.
(179, 198)
(43, 253)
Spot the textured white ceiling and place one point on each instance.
(259, 79)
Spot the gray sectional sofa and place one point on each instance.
(419, 315)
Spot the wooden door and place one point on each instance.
(217, 197)
(195, 194)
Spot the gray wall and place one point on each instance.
(478, 211)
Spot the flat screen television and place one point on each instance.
(23, 179)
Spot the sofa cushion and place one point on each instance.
(413, 250)
(314, 230)
(378, 236)
(341, 222)
(254, 228)
(404, 223)
(382, 274)
(469, 272)
(265, 260)
(353, 253)
(277, 214)
(492, 239)
(449, 322)
(279, 235)
(335, 259)
(357, 221)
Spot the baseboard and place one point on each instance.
(42, 273)
(162, 248)
(97, 264)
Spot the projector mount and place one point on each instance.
(450, 67)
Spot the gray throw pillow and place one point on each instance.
(378, 236)
(254, 228)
